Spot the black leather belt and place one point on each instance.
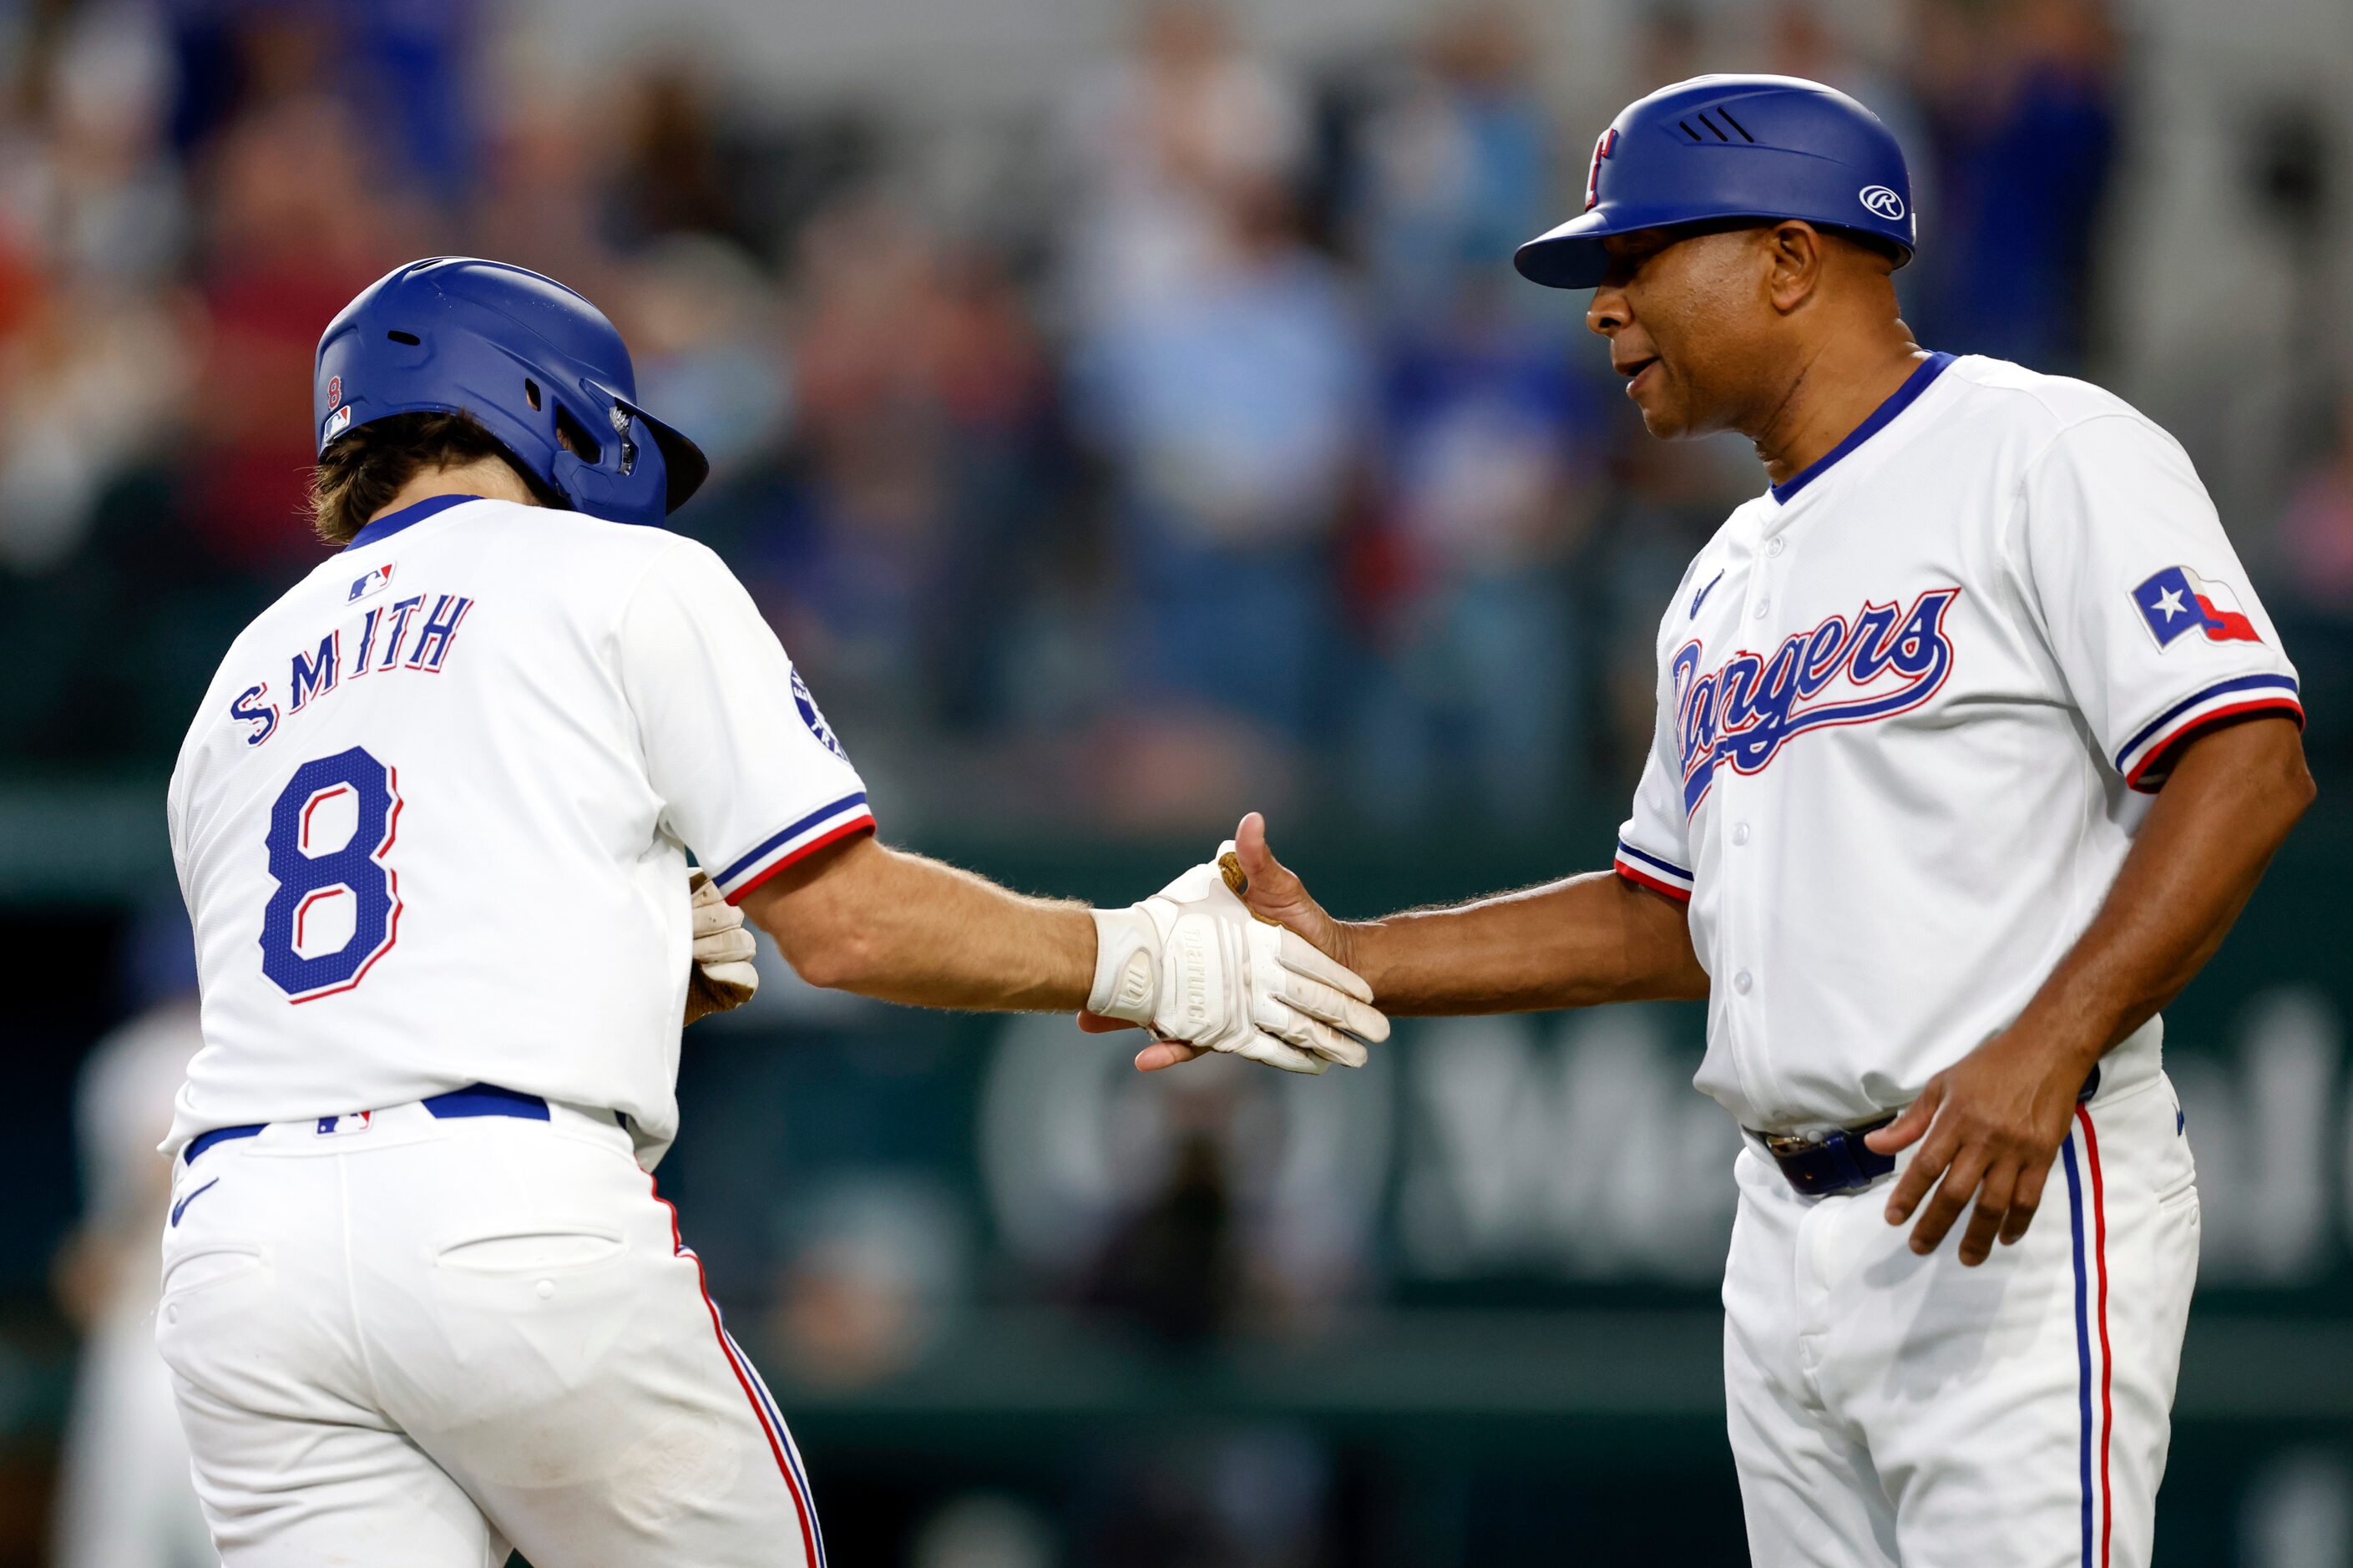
(1838, 1161)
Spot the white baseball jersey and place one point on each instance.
(1910, 703)
(431, 820)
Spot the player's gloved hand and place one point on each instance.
(723, 977)
(1191, 964)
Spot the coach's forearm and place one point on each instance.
(2233, 797)
(1572, 943)
(864, 918)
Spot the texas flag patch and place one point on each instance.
(2178, 600)
(373, 583)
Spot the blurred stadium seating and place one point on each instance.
(1033, 338)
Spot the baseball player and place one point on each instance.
(124, 1500)
(1972, 740)
(420, 1301)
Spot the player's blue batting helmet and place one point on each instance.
(533, 360)
(1732, 147)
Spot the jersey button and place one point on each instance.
(1742, 981)
(1777, 546)
(1740, 833)
(1763, 606)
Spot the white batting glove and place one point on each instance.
(1192, 963)
(724, 976)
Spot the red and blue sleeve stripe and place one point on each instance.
(1646, 869)
(826, 824)
(2148, 757)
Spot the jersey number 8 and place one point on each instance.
(329, 832)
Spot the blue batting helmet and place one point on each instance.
(533, 361)
(1732, 147)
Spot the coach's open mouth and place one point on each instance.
(1634, 371)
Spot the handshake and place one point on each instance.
(1194, 965)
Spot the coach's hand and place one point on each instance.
(722, 976)
(1206, 972)
(1992, 1124)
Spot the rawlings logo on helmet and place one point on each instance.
(1882, 200)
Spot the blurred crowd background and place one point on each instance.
(1128, 416)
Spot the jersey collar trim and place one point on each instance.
(393, 522)
(1901, 399)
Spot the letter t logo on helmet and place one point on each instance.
(539, 366)
(1713, 147)
(1603, 145)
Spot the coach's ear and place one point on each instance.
(1796, 251)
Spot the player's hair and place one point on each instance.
(360, 473)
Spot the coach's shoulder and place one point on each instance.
(2039, 405)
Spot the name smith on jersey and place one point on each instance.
(380, 643)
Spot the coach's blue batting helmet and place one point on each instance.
(1732, 147)
(538, 365)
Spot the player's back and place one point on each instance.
(419, 831)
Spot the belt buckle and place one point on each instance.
(1783, 1144)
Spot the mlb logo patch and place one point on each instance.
(2178, 600)
(337, 423)
(375, 583)
(344, 1126)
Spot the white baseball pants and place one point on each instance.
(1893, 1408)
(416, 1342)
(1890, 1409)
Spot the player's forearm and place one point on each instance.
(1572, 943)
(898, 927)
(2233, 794)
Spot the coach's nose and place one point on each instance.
(1609, 310)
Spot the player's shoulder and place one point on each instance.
(2035, 407)
(562, 540)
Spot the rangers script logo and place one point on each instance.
(1887, 661)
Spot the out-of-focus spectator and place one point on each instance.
(2316, 532)
(124, 1499)
(2024, 108)
(93, 363)
(1458, 168)
(299, 222)
(1232, 408)
(920, 383)
(1174, 1267)
(876, 1265)
(1493, 469)
(2313, 547)
(709, 345)
(85, 387)
(672, 180)
(1161, 143)
(536, 200)
(986, 1529)
(92, 186)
